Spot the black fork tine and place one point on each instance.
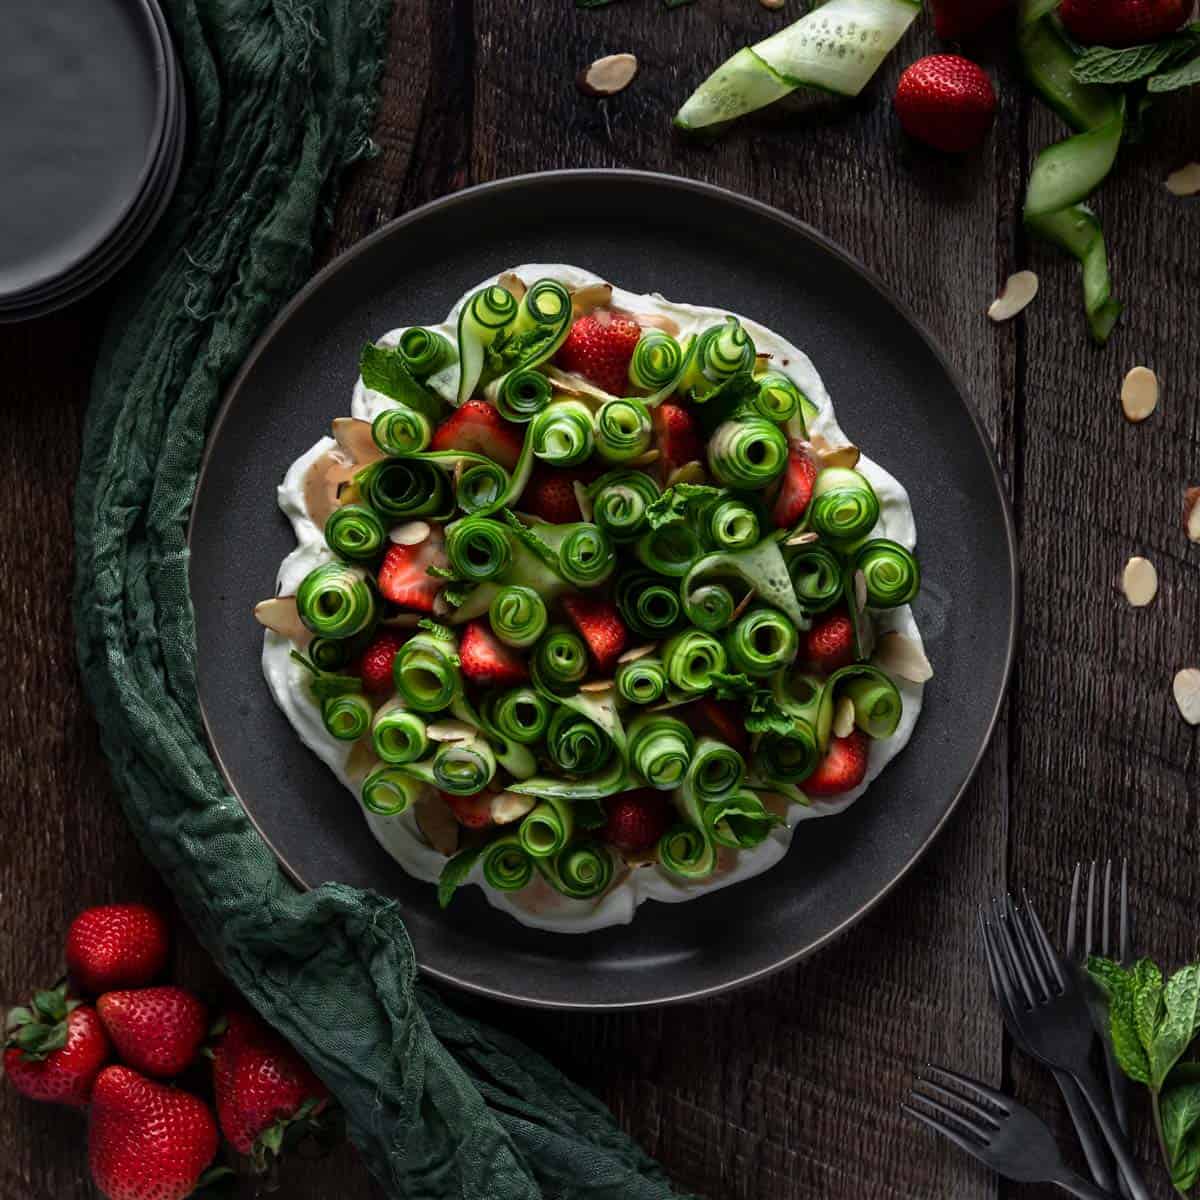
(1050, 959)
(1012, 954)
(1105, 920)
(1126, 951)
(1001, 984)
(1089, 945)
(963, 1143)
(1032, 953)
(1073, 914)
(981, 1134)
(992, 1119)
(973, 1088)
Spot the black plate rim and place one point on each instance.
(679, 183)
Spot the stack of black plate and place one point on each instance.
(92, 127)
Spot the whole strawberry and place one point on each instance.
(263, 1087)
(55, 1049)
(599, 348)
(946, 101)
(157, 1030)
(1122, 22)
(116, 946)
(147, 1141)
(636, 820)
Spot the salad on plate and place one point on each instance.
(592, 601)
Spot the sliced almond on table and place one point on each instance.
(354, 437)
(900, 655)
(508, 807)
(1017, 292)
(860, 590)
(1187, 694)
(803, 539)
(411, 533)
(608, 75)
(589, 297)
(437, 823)
(450, 731)
(772, 4)
(636, 653)
(1139, 581)
(691, 472)
(1191, 513)
(513, 284)
(1185, 181)
(1139, 393)
(280, 615)
(843, 718)
(584, 501)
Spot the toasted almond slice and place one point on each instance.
(1139, 393)
(608, 75)
(649, 320)
(1139, 581)
(572, 384)
(1185, 181)
(803, 539)
(644, 460)
(450, 731)
(843, 718)
(582, 498)
(514, 285)
(436, 821)
(597, 686)
(839, 456)
(411, 533)
(636, 653)
(691, 472)
(280, 615)
(1191, 513)
(900, 655)
(1017, 292)
(354, 437)
(1187, 694)
(508, 807)
(743, 604)
(860, 590)
(403, 620)
(591, 296)
(322, 483)
(772, 4)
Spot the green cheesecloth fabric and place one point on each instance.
(281, 96)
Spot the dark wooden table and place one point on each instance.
(787, 1090)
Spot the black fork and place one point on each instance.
(995, 1129)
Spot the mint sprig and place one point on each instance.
(1167, 65)
(383, 370)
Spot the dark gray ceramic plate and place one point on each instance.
(895, 395)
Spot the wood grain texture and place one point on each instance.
(787, 1090)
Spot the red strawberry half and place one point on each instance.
(636, 820)
(375, 666)
(723, 719)
(843, 767)
(550, 493)
(116, 946)
(404, 577)
(946, 101)
(600, 626)
(1122, 22)
(478, 427)
(473, 812)
(829, 644)
(487, 661)
(56, 1048)
(676, 436)
(157, 1031)
(599, 348)
(795, 488)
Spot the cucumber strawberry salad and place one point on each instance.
(592, 601)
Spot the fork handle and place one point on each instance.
(1097, 1097)
(1094, 1149)
(1076, 1186)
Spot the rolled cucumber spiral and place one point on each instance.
(522, 394)
(817, 576)
(660, 749)
(582, 870)
(483, 317)
(560, 659)
(483, 486)
(460, 768)
(762, 642)
(844, 506)
(622, 429)
(716, 770)
(778, 398)
(563, 433)
(478, 548)
(619, 503)
(691, 658)
(424, 351)
(648, 603)
(346, 717)
(388, 791)
(398, 735)
(890, 571)
(656, 363)
(547, 829)
(585, 555)
(642, 681)
(576, 744)
(507, 865)
(402, 488)
(426, 674)
(740, 821)
(401, 430)
(878, 705)
(336, 601)
(669, 550)
(354, 532)
(747, 453)
(518, 615)
(717, 354)
(730, 524)
(521, 714)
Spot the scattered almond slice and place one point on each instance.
(860, 590)
(582, 498)
(691, 472)
(591, 296)
(608, 75)
(354, 437)
(1139, 582)
(575, 385)
(743, 604)
(772, 4)
(644, 460)
(1191, 513)
(281, 616)
(322, 484)
(1185, 181)
(411, 533)
(900, 655)
(450, 731)
(508, 807)
(649, 320)
(597, 685)
(636, 653)
(1187, 694)
(1016, 294)
(843, 718)
(437, 823)
(513, 284)
(839, 456)
(803, 539)
(1139, 393)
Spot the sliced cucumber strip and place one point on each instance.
(1063, 174)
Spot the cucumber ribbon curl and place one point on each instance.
(398, 735)
(688, 850)
(708, 600)
(335, 600)
(816, 575)
(660, 749)
(762, 642)
(401, 430)
(505, 864)
(581, 871)
(740, 821)
(478, 548)
(657, 363)
(559, 662)
(347, 717)
(424, 351)
(890, 571)
(354, 532)
(844, 506)
(483, 318)
(648, 603)
(520, 714)
(542, 322)
(620, 502)
(642, 681)
(517, 615)
(387, 791)
(460, 768)
(747, 453)
(622, 429)
(716, 355)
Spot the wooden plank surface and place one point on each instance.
(789, 1089)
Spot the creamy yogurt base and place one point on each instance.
(538, 905)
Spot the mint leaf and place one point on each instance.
(455, 873)
(674, 503)
(1118, 986)
(1178, 1026)
(530, 540)
(436, 629)
(1180, 1106)
(1181, 77)
(383, 370)
(1147, 984)
(327, 685)
(1102, 65)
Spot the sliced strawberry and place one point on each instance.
(404, 577)
(843, 767)
(486, 660)
(636, 820)
(478, 427)
(473, 812)
(600, 626)
(550, 493)
(795, 488)
(829, 644)
(375, 666)
(676, 435)
(724, 720)
(599, 347)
